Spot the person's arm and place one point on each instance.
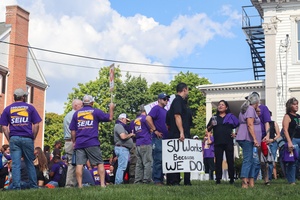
(209, 141)
(73, 136)
(285, 126)
(149, 121)
(267, 128)
(51, 174)
(125, 136)
(178, 121)
(6, 132)
(111, 111)
(276, 131)
(35, 129)
(250, 125)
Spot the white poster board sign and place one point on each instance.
(149, 106)
(183, 156)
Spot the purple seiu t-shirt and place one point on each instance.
(243, 133)
(208, 149)
(158, 115)
(85, 122)
(20, 117)
(264, 118)
(56, 168)
(142, 131)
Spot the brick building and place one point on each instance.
(18, 66)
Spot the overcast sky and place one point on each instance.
(190, 34)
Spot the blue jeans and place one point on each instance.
(157, 174)
(248, 162)
(273, 147)
(123, 154)
(296, 141)
(290, 167)
(22, 146)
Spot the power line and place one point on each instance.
(118, 61)
(137, 72)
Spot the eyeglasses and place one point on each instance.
(165, 99)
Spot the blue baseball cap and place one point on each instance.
(163, 95)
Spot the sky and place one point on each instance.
(200, 36)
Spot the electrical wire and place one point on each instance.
(123, 62)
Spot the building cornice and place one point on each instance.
(250, 85)
(36, 83)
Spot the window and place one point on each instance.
(30, 94)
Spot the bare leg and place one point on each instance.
(101, 173)
(251, 182)
(244, 182)
(79, 169)
(274, 170)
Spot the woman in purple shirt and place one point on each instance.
(249, 136)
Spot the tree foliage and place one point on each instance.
(53, 129)
(128, 95)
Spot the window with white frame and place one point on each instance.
(30, 94)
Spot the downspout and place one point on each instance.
(5, 97)
(44, 111)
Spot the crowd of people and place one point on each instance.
(137, 155)
(260, 140)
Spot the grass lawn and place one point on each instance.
(200, 190)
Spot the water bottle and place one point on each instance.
(74, 158)
(255, 155)
(214, 121)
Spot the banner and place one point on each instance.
(111, 77)
(178, 156)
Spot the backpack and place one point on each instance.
(63, 175)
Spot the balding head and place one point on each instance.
(76, 104)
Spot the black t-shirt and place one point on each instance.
(294, 126)
(272, 130)
(221, 132)
(179, 107)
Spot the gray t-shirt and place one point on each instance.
(67, 121)
(118, 129)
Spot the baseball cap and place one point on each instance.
(196, 137)
(88, 99)
(123, 116)
(163, 95)
(252, 93)
(20, 92)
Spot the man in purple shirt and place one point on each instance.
(20, 124)
(84, 135)
(143, 169)
(156, 120)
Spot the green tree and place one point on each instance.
(53, 128)
(196, 100)
(159, 87)
(131, 94)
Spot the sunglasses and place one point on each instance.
(165, 99)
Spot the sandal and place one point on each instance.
(267, 183)
(244, 184)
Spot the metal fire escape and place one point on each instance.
(252, 27)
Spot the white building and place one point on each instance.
(275, 52)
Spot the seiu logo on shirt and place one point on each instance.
(85, 119)
(137, 125)
(19, 115)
